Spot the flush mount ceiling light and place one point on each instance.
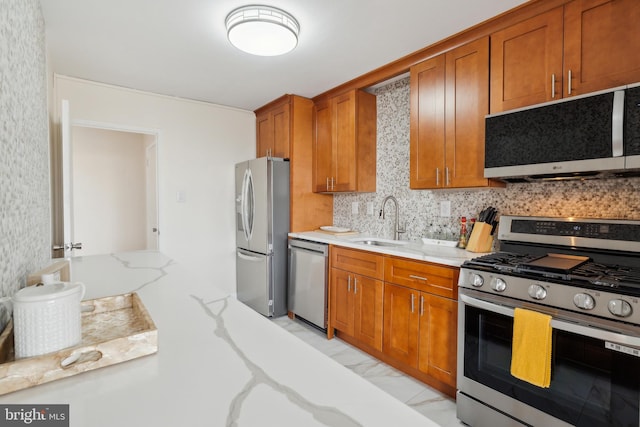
(262, 30)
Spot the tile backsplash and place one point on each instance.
(25, 225)
(612, 198)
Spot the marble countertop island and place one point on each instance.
(218, 363)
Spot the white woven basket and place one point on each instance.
(47, 318)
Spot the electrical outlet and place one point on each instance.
(181, 196)
(370, 208)
(354, 208)
(445, 208)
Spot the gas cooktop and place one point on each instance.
(562, 268)
(590, 266)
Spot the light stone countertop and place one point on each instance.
(219, 363)
(414, 249)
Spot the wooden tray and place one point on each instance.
(338, 233)
(114, 329)
(61, 271)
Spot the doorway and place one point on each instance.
(114, 190)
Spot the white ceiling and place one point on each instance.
(179, 47)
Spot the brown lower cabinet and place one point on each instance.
(420, 331)
(355, 299)
(357, 303)
(401, 311)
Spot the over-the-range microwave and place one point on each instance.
(590, 136)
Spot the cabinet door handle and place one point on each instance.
(447, 182)
(333, 186)
(569, 83)
(437, 177)
(421, 305)
(553, 85)
(418, 277)
(349, 284)
(413, 297)
(355, 285)
(327, 183)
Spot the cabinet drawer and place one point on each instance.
(359, 262)
(422, 276)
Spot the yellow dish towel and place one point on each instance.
(531, 351)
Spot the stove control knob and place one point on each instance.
(584, 301)
(477, 281)
(499, 285)
(537, 292)
(620, 308)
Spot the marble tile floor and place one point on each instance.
(429, 402)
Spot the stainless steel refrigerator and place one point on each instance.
(262, 226)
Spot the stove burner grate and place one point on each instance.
(589, 273)
(614, 276)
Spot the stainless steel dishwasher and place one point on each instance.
(308, 263)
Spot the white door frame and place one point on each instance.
(121, 128)
(151, 181)
(67, 194)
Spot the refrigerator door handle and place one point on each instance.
(248, 204)
(247, 257)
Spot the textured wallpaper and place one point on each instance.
(615, 198)
(24, 145)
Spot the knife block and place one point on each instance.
(481, 238)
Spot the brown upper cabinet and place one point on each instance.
(449, 100)
(284, 128)
(526, 62)
(273, 129)
(581, 47)
(345, 143)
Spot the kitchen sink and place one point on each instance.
(380, 242)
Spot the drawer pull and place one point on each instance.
(424, 279)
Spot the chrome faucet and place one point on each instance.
(397, 230)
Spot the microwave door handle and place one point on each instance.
(617, 124)
(588, 331)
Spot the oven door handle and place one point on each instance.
(593, 331)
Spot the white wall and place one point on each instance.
(109, 190)
(198, 146)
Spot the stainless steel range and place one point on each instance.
(585, 274)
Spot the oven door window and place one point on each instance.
(590, 384)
